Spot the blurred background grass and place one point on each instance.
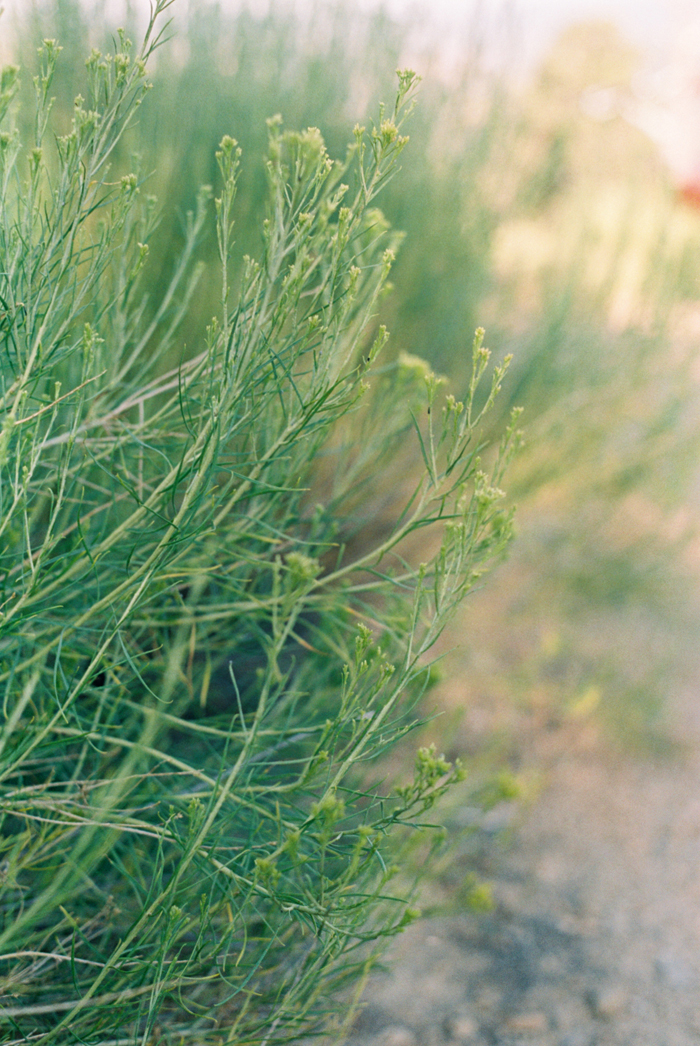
(563, 234)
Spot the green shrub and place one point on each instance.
(198, 667)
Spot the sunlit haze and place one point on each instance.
(533, 24)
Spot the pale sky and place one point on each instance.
(652, 24)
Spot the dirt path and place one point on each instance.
(595, 935)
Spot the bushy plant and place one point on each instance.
(198, 668)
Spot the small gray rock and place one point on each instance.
(461, 1029)
(674, 972)
(396, 1035)
(533, 1023)
(607, 1003)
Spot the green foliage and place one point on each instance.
(235, 68)
(198, 670)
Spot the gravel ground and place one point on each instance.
(594, 939)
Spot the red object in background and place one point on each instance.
(689, 193)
